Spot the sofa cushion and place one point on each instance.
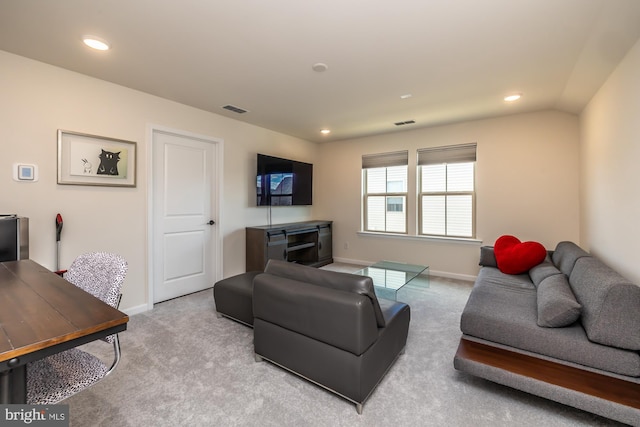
(493, 276)
(487, 257)
(610, 304)
(565, 256)
(516, 257)
(543, 270)
(557, 306)
(343, 320)
(233, 296)
(362, 285)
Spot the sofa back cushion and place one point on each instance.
(346, 282)
(543, 270)
(610, 304)
(341, 319)
(557, 306)
(565, 256)
(487, 257)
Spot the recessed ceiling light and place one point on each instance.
(513, 97)
(325, 131)
(406, 96)
(95, 42)
(320, 67)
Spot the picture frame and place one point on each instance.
(85, 159)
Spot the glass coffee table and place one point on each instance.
(389, 277)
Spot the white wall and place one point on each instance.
(527, 185)
(37, 99)
(610, 159)
(527, 175)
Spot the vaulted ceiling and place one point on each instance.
(428, 61)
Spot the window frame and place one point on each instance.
(378, 161)
(446, 194)
(447, 155)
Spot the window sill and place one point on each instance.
(453, 240)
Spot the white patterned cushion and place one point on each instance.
(101, 274)
(61, 375)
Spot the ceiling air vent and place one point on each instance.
(408, 122)
(235, 109)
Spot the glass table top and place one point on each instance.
(389, 277)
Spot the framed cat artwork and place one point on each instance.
(85, 159)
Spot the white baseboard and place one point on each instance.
(445, 274)
(351, 261)
(448, 275)
(135, 310)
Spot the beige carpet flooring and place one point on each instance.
(183, 366)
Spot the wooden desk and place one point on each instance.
(42, 314)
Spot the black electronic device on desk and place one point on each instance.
(14, 237)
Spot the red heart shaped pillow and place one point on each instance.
(516, 257)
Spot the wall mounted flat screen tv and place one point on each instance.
(283, 182)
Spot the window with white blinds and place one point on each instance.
(446, 204)
(384, 178)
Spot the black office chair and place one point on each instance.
(64, 374)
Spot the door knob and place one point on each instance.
(211, 222)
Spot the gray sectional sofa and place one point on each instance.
(568, 330)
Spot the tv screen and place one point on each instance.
(283, 182)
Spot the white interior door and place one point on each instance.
(185, 237)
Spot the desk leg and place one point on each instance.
(13, 385)
(4, 387)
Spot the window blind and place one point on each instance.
(397, 158)
(450, 154)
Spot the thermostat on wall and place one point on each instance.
(25, 172)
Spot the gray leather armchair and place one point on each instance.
(327, 327)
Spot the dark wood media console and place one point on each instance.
(308, 243)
